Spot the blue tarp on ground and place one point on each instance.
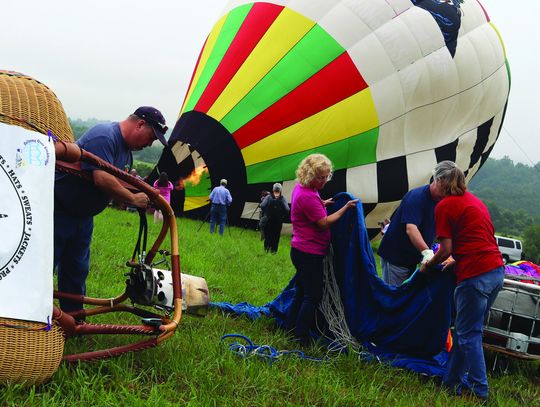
(406, 326)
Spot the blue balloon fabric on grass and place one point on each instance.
(405, 326)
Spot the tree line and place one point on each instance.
(511, 192)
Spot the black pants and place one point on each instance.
(272, 233)
(177, 201)
(309, 289)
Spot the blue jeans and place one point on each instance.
(218, 213)
(473, 298)
(308, 295)
(72, 238)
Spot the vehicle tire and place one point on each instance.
(506, 259)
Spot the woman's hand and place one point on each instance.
(328, 221)
(328, 202)
(351, 203)
(448, 263)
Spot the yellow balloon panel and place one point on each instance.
(350, 117)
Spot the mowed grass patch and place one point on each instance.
(195, 368)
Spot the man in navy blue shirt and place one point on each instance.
(221, 199)
(410, 234)
(77, 201)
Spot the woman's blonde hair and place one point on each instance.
(311, 166)
(451, 177)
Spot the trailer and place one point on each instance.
(512, 327)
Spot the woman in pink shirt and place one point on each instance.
(310, 242)
(165, 187)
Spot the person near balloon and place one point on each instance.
(178, 196)
(164, 186)
(465, 230)
(220, 199)
(384, 225)
(310, 242)
(274, 208)
(410, 234)
(262, 219)
(77, 201)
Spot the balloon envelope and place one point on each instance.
(386, 89)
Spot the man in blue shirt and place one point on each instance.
(410, 234)
(77, 201)
(220, 197)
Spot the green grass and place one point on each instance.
(194, 368)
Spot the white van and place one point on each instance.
(511, 249)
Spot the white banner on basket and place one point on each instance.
(27, 164)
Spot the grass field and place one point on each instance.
(194, 368)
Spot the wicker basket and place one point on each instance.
(27, 103)
(28, 353)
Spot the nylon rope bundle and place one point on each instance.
(332, 309)
(265, 352)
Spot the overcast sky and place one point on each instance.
(104, 58)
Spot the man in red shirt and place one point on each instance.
(465, 231)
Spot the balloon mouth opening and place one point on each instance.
(194, 176)
(200, 170)
(202, 144)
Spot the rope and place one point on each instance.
(334, 313)
(332, 309)
(143, 234)
(341, 339)
(521, 149)
(265, 352)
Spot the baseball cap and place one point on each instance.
(155, 119)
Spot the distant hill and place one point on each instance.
(511, 192)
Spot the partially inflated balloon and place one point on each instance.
(386, 89)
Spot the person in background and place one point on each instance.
(410, 234)
(165, 187)
(220, 199)
(262, 219)
(465, 230)
(384, 226)
(178, 196)
(274, 207)
(77, 201)
(310, 242)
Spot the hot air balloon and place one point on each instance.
(386, 89)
